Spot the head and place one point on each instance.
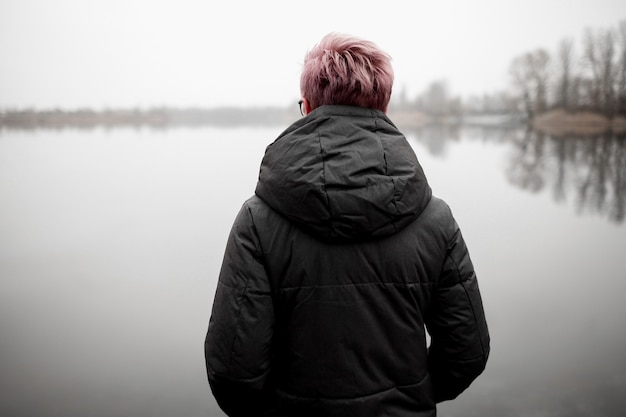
(346, 70)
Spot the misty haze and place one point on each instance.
(112, 240)
(132, 132)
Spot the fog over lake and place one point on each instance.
(111, 243)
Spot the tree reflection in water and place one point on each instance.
(591, 168)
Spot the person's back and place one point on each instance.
(337, 265)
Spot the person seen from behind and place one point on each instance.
(343, 265)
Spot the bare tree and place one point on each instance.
(591, 62)
(521, 76)
(607, 60)
(576, 93)
(599, 59)
(598, 83)
(621, 68)
(435, 98)
(531, 76)
(565, 87)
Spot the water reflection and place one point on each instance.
(111, 242)
(437, 138)
(589, 170)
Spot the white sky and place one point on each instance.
(126, 53)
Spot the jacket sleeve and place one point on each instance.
(237, 344)
(456, 322)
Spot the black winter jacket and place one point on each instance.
(333, 271)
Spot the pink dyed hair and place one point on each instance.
(343, 69)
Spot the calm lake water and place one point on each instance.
(111, 243)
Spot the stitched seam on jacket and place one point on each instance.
(240, 298)
(469, 299)
(393, 284)
(260, 255)
(478, 328)
(395, 190)
(372, 394)
(330, 217)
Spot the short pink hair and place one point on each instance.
(347, 70)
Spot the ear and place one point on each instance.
(307, 106)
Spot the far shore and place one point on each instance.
(555, 122)
(583, 123)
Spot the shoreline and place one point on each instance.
(556, 122)
(582, 123)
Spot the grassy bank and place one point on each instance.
(582, 123)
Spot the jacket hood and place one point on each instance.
(344, 173)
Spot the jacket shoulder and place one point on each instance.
(439, 216)
(258, 209)
(264, 219)
(255, 203)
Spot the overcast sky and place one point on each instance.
(126, 53)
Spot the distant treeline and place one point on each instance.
(591, 81)
(166, 117)
(154, 117)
